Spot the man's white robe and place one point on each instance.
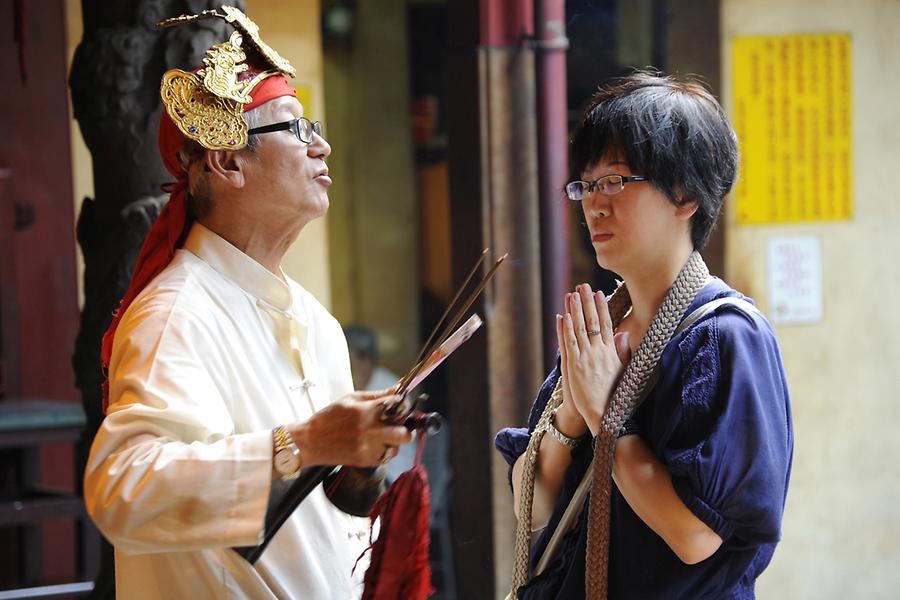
(210, 357)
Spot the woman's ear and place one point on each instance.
(686, 210)
(225, 168)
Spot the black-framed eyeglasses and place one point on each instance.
(303, 128)
(608, 185)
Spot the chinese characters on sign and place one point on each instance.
(792, 108)
(795, 280)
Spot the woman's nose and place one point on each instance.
(595, 204)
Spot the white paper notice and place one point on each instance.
(795, 279)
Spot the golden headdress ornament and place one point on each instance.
(206, 105)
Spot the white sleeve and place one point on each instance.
(166, 470)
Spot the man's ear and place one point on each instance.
(225, 167)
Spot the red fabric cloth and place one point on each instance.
(173, 223)
(399, 567)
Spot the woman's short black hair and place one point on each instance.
(673, 132)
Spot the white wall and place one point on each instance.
(842, 525)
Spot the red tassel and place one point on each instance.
(399, 566)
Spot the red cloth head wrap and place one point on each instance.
(173, 223)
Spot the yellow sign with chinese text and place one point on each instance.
(792, 114)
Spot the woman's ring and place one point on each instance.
(593, 332)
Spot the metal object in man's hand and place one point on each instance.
(427, 423)
(396, 411)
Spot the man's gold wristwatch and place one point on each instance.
(287, 454)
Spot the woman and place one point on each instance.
(685, 433)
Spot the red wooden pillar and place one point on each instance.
(553, 160)
(494, 202)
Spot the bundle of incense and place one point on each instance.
(355, 490)
(438, 347)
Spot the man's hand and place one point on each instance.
(349, 432)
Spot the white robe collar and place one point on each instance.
(251, 276)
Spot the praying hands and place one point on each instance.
(592, 356)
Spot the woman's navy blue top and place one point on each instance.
(719, 418)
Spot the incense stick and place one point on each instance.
(427, 351)
(423, 353)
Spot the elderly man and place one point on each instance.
(225, 377)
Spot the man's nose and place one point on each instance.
(319, 146)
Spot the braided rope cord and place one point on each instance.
(526, 491)
(619, 305)
(690, 280)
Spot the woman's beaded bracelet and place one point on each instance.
(628, 428)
